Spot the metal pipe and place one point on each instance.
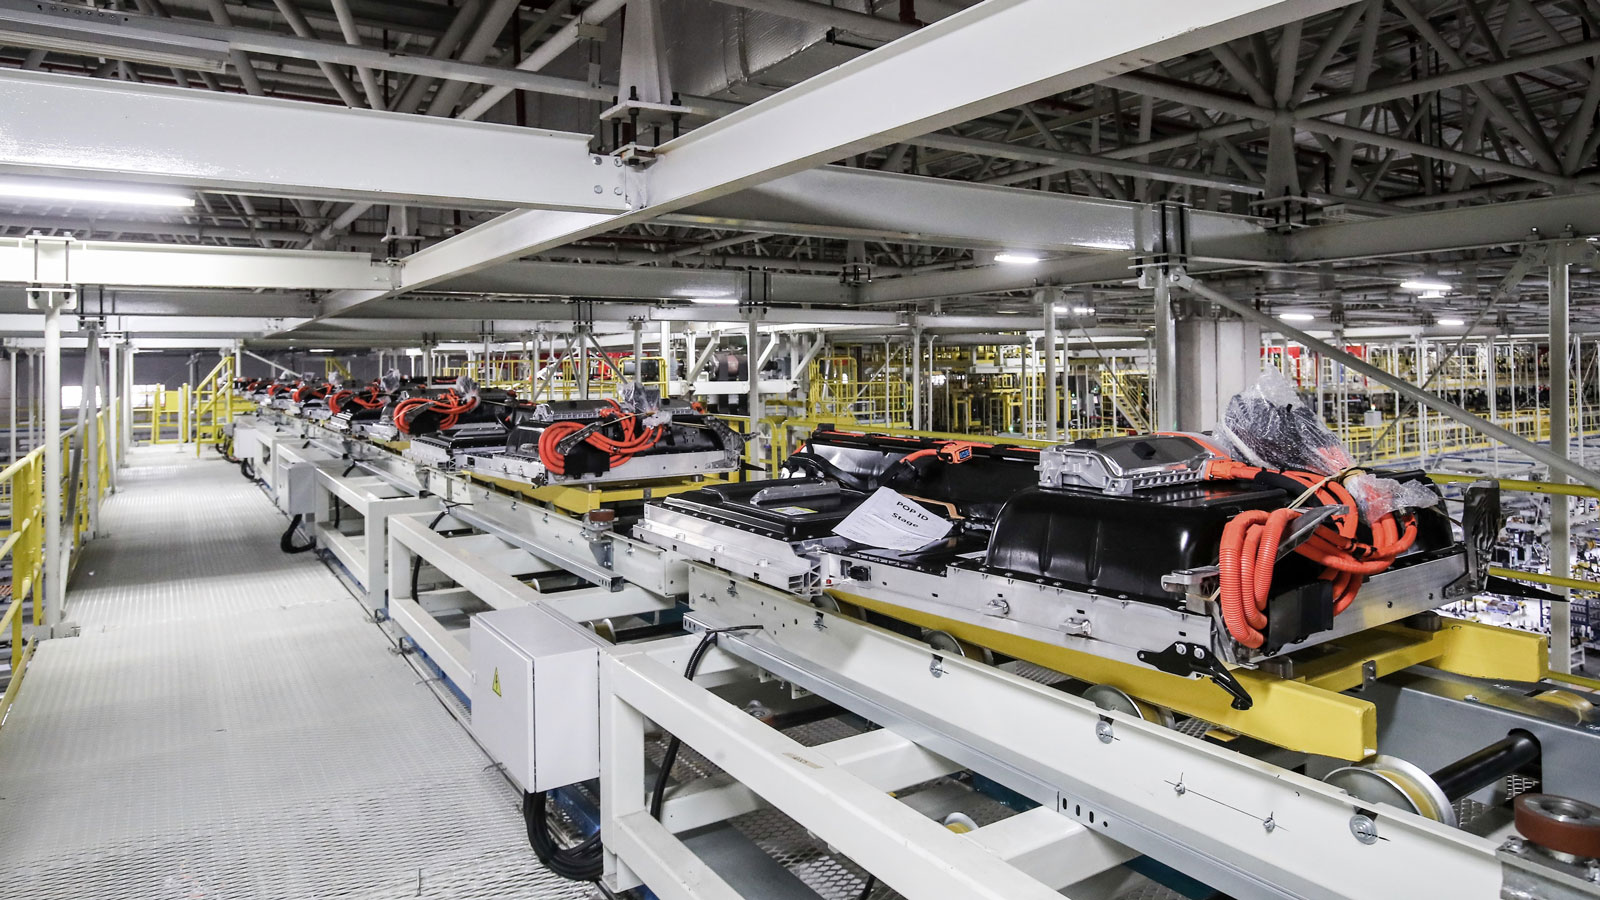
(88, 424)
(638, 352)
(1052, 395)
(1560, 437)
(1478, 770)
(114, 409)
(347, 27)
(1538, 453)
(916, 379)
(547, 52)
(753, 386)
(127, 398)
(12, 390)
(1166, 340)
(54, 583)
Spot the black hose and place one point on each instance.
(583, 861)
(866, 889)
(416, 561)
(247, 469)
(658, 794)
(287, 544)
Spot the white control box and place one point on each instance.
(536, 696)
(294, 480)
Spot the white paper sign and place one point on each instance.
(891, 521)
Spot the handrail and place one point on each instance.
(1517, 484)
(1573, 584)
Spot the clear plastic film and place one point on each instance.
(1268, 425)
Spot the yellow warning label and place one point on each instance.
(495, 685)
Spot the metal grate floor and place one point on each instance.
(228, 724)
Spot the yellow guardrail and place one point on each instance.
(1515, 484)
(22, 484)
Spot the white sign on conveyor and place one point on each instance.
(892, 521)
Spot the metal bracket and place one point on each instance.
(1480, 526)
(1188, 659)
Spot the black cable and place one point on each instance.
(583, 861)
(866, 889)
(287, 544)
(658, 794)
(416, 561)
(247, 469)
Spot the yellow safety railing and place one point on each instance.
(22, 485)
(1531, 487)
(167, 417)
(1444, 435)
(516, 373)
(214, 405)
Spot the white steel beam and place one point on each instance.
(196, 44)
(169, 265)
(68, 125)
(986, 58)
(177, 302)
(642, 282)
(1462, 228)
(837, 201)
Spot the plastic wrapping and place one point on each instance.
(1267, 425)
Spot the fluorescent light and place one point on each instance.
(83, 192)
(1075, 310)
(321, 350)
(715, 301)
(1451, 323)
(1296, 317)
(1105, 245)
(1026, 259)
(1423, 284)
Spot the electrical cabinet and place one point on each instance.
(536, 696)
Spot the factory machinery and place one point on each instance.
(954, 668)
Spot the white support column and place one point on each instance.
(1491, 379)
(1052, 391)
(35, 398)
(89, 426)
(916, 378)
(666, 357)
(114, 405)
(54, 569)
(583, 362)
(12, 390)
(753, 373)
(127, 399)
(1560, 440)
(1166, 347)
(1422, 411)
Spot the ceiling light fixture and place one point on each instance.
(1023, 259)
(1075, 310)
(83, 192)
(1296, 317)
(321, 350)
(1451, 323)
(1422, 284)
(715, 301)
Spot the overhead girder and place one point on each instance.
(988, 57)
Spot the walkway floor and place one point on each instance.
(229, 724)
